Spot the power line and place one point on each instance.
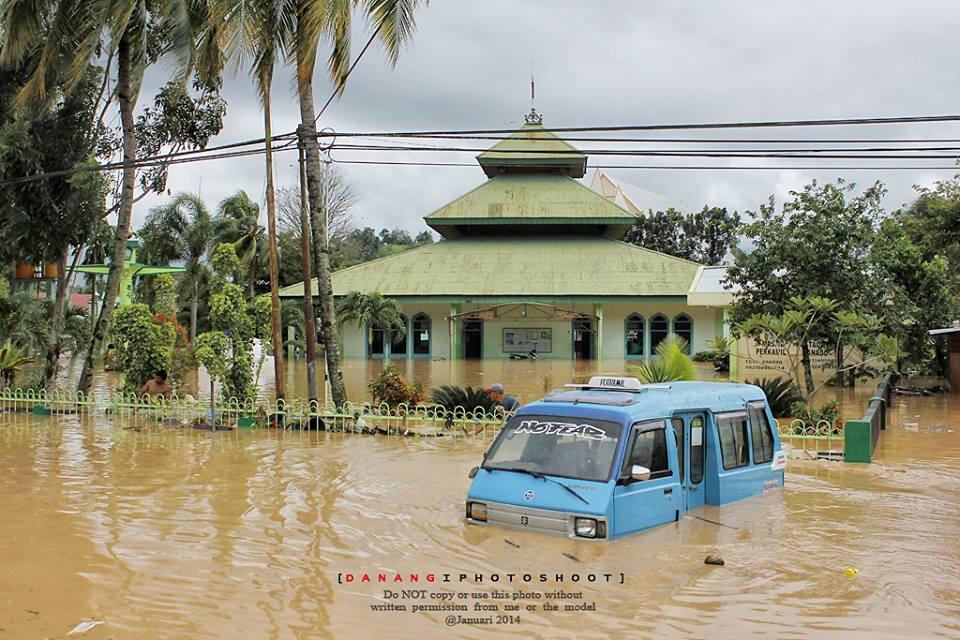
(232, 149)
(668, 127)
(675, 167)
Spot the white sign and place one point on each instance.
(611, 382)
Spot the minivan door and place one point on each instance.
(695, 456)
(641, 504)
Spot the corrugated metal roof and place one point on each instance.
(711, 281)
(521, 266)
(530, 198)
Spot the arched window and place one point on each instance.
(633, 332)
(421, 335)
(683, 328)
(398, 341)
(659, 329)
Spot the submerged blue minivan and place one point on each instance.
(614, 456)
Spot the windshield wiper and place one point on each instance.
(537, 474)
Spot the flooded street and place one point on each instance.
(167, 533)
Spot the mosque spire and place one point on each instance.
(533, 117)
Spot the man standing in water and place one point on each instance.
(505, 405)
(158, 387)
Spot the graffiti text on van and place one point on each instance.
(536, 427)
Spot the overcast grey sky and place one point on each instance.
(620, 62)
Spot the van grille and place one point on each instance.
(555, 523)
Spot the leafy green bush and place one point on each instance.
(703, 356)
(392, 388)
(450, 396)
(143, 346)
(781, 393)
(671, 364)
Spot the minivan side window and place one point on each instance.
(649, 449)
(696, 449)
(760, 432)
(734, 445)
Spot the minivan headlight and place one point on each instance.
(585, 527)
(477, 511)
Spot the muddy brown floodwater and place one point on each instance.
(179, 534)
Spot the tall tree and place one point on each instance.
(393, 24)
(182, 230)
(706, 236)
(47, 220)
(238, 223)
(815, 246)
(59, 38)
(261, 31)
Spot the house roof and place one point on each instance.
(530, 199)
(533, 148)
(552, 266)
(708, 290)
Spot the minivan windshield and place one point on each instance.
(556, 446)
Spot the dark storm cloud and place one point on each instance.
(604, 63)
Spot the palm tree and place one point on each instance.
(12, 359)
(372, 311)
(317, 20)
(671, 363)
(182, 230)
(260, 30)
(238, 223)
(64, 36)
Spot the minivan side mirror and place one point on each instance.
(473, 473)
(639, 473)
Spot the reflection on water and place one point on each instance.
(179, 534)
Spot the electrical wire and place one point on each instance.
(233, 150)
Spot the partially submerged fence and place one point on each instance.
(822, 439)
(861, 436)
(426, 420)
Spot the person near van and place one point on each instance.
(504, 404)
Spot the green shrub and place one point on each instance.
(450, 396)
(704, 356)
(781, 394)
(143, 345)
(393, 389)
(811, 418)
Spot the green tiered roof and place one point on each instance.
(553, 266)
(533, 148)
(542, 199)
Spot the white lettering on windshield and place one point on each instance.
(535, 427)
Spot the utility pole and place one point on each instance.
(305, 236)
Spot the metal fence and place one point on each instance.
(426, 420)
(816, 440)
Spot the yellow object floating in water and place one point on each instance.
(850, 572)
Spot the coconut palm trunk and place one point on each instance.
(127, 101)
(328, 319)
(279, 379)
(194, 304)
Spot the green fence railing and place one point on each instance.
(363, 417)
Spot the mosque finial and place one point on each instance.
(533, 117)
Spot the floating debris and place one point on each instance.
(850, 572)
(572, 557)
(511, 543)
(714, 560)
(83, 627)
